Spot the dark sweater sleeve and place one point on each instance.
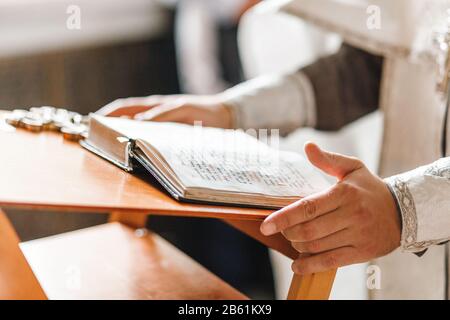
(346, 86)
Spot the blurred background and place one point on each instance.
(143, 47)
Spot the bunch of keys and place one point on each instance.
(72, 125)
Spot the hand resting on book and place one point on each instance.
(173, 108)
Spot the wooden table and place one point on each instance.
(41, 171)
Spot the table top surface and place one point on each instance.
(43, 171)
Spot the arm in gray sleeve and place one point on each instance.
(273, 102)
(328, 94)
(423, 198)
(346, 86)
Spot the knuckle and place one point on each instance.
(333, 157)
(334, 192)
(309, 209)
(358, 162)
(354, 191)
(344, 188)
(355, 196)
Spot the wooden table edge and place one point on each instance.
(149, 212)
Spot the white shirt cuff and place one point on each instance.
(273, 102)
(423, 197)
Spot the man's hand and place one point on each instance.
(354, 221)
(173, 108)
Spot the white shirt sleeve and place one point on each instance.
(284, 102)
(423, 197)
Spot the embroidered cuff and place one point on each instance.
(422, 197)
(405, 204)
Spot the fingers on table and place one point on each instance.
(318, 228)
(303, 211)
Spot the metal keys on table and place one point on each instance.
(72, 125)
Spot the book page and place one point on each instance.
(227, 160)
(288, 176)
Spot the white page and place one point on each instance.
(227, 160)
(288, 176)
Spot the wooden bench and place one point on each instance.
(111, 261)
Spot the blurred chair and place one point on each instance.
(206, 43)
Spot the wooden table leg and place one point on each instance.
(276, 242)
(313, 287)
(17, 280)
(132, 219)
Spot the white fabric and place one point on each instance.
(276, 43)
(397, 33)
(423, 197)
(401, 39)
(197, 42)
(273, 102)
(279, 44)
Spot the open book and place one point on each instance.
(206, 165)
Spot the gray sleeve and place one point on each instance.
(346, 86)
(327, 95)
(284, 102)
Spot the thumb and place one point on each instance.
(334, 164)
